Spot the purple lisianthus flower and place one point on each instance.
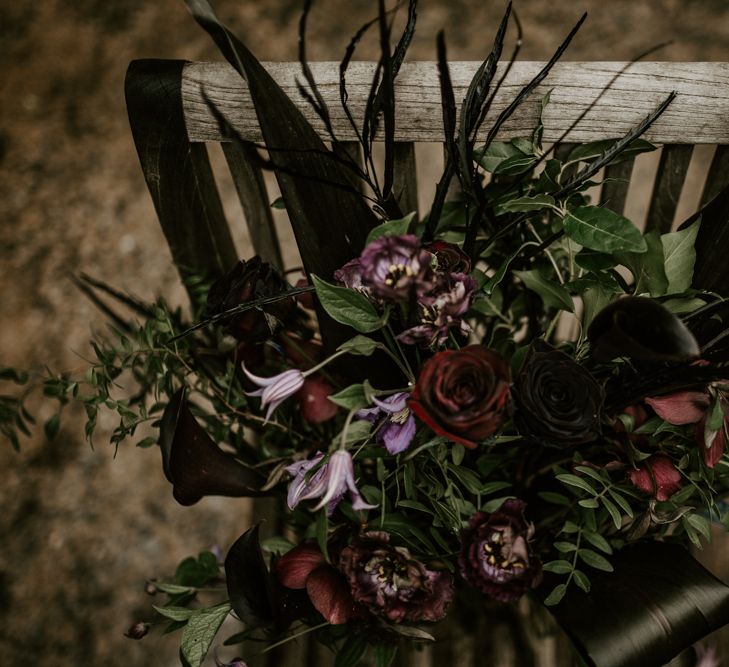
(397, 422)
(441, 310)
(397, 268)
(389, 582)
(495, 555)
(329, 483)
(276, 389)
(350, 275)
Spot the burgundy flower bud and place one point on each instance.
(397, 268)
(558, 401)
(313, 399)
(391, 583)
(137, 631)
(495, 555)
(245, 282)
(657, 476)
(463, 394)
(450, 258)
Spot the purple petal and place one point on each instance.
(397, 437)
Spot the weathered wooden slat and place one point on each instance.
(718, 177)
(697, 115)
(405, 185)
(251, 189)
(670, 176)
(177, 172)
(615, 186)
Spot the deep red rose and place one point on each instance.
(657, 476)
(463, 394)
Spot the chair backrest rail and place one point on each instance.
(697, 116)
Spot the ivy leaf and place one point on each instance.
(391, 228)
(552, 293)
(679, 256)
(200, 632)
(648, 267)
(347, 306)
(604, 230)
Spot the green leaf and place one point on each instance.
(494, 280)
(197, 571)
(517, 164)
(592, 260)
(391, 228)
(555, 597)
(613, 511)
(277, 545)
(497, 152)
(594, 559)
(347, 306)
(352, 651)
(593, 150)
(175, 613)
(603, 230)
(680, 256)
(524, 204)
(554, 498)
(552, 293)
(361, 345)
(581, 580)
(578, 482)
(200, 632)
(565, 547)
(647, 267)
(558, 566)
(598, 541)
(384, 654)
(279, 204)
(50, 428)
(350, 398)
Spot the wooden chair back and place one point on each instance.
(171, 121)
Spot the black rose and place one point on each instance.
(558, 401)
(245, 282)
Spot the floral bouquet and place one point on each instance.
(519, 394)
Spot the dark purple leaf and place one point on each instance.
(657, 603)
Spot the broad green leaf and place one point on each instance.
(647, 267)
(553, 294)
(594, 559)
(524, 204)
(592, 260)
(496, 153)
(347, 306)
(350, 398)
(494, 280)
(593, 150)
(391, 228)
(174, 613)
(524, 144)
(594, 299)
(360, 345)
(680, 256)
(518, 164)
(200, 632)
(603, 230)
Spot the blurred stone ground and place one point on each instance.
(81, 530)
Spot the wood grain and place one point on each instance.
(698, 115)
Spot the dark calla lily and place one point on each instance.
(641, 329)
(194, 464)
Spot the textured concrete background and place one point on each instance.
(81, 530)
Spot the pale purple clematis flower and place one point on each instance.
(329, 483)
(398, 424)
(275, 389)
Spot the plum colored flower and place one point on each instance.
(304, 567)
(313, 399)
(329, 483)
(397, 424)
(350, 275)
(441, 310)
(397, 268)
(558, 401)
(495, 555)
(657, 476)
(391, 583)
(695, 407)
(276, 389)
(463, 394)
